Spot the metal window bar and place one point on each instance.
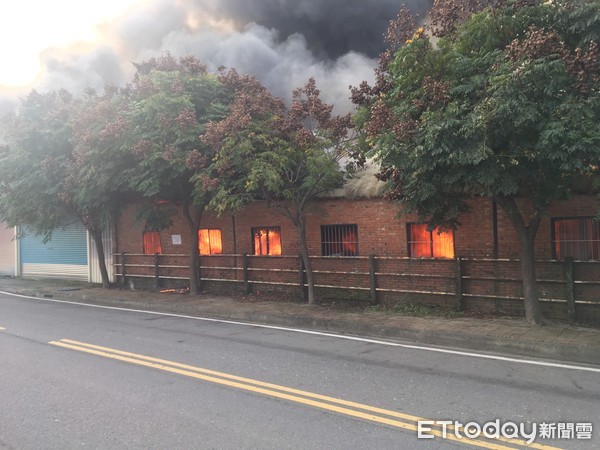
(210, 241)
(577, 237)
(339, 240)
(152, 243)
(429, 244)
(420, 244)
(266, 240)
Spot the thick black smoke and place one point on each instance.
(282, 42)
(331, 28)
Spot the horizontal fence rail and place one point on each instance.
(454, 281)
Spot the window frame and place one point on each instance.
(209, 241)
(342, 227)
(157, 234)
(410, 243)
(267, 229)
(553, 241)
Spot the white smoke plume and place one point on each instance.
(282, 42)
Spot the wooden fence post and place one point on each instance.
(570, 288)
(156, 272)
(302, 279)
(459, 286)
(373, 279)
(123, 263)
(245, 273)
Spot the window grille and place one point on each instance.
(576, 237)
(339, 240)
(266, 241)
(152, 243)
(429, 244)
(209, 241)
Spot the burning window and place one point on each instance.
(266, 241)
(339, 240)
(577, 237)
(429, 244)
(209, 241)
(152, 243)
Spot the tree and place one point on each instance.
(284, 156)
(171, 101)
(506, 105)
(46, 181)
(33, 166)
(96, 180)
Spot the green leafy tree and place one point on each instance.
(171, 101)
(60, 164)
(505, 105)
(284, 156)
(96, 182)
(33, 166)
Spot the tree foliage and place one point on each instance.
(506, 105)
(61, 165)
(284, 156)
(97, 176)
(171, 102)
(96, 183)
(34, 165)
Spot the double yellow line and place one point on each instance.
(336, 405)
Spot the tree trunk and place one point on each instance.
(192, 218)
(533, 312)
(97, 237)
(302, 241)
(526, 233)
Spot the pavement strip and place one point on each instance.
(336, 405)
(321, 333)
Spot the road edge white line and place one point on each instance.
(321, 333)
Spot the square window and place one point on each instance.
(209, 241)
(152, 243)
(429, 244)
(339, 240)
(266, 241)
(576, 237)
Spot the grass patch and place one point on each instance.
(415, 309)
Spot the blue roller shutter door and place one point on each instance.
(63, 256)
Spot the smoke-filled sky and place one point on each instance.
(74, 44)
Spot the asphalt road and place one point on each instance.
(86, 377)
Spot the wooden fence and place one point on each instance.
(568, 289)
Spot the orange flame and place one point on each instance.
(267, 241)
(209, 241)
(152, 243)
(430, 244)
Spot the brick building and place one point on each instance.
(364, 249)
(373, 226)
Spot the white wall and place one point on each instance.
(7, 250)
(94, 269)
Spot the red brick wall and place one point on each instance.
(475, 236)
(380, 231)
(581, 205)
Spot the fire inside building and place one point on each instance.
(361, 248)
